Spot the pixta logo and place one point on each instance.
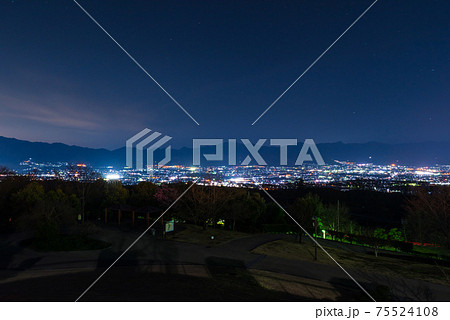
(146, 140)
(253, 150)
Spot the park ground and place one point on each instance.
(213, 265)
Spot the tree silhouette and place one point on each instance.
(205, 204)
(428, 217)
(143, 194)
(244, 207)
(84, 176)
(304, 209)
(4, 171)
(28, 197)
(335, 217)
(115, 194)
(166, 195)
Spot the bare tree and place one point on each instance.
(428, 216)
(84, 176)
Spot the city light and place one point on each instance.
(112, 176)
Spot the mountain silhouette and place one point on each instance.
(14, 151)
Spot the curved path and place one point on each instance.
(197, 260)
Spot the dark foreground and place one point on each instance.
(156, 270)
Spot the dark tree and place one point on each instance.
(205, 204)
(428, 217)
(335, 217)
(166, 195)
(304, 209)
(115, 194)
(4, 171)
(27, 198)
(245, 208)
(85, 176)
(143, 194)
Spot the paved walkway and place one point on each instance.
(154, 255)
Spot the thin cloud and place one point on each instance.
(57, 113)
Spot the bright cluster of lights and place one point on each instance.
(113, 176)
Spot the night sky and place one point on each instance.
(387, 79)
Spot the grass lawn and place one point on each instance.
(65, 242)
(434, 251)
(367, 262)
(196, 234)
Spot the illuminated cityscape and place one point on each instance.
(341, 175)
(225, 151)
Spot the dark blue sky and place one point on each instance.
(62, 79)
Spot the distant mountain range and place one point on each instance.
(13, 151)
